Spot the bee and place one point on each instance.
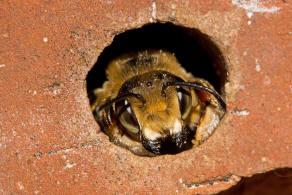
(152, 106)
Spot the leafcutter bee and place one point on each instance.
(152, 106)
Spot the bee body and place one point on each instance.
(151, 105)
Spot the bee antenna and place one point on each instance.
(195, 86)
(122, 97)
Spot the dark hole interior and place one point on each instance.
(196, 52)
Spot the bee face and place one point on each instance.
(158, 123)
(154, 111)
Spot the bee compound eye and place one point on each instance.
(185, 101)
(127, 117)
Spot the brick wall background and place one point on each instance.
(49, 140)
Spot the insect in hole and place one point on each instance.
(152, 106)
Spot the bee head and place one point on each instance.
(156, 115)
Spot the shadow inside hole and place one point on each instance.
(196, 52)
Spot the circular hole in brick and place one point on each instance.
(196, 52)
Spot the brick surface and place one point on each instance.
(50, 142)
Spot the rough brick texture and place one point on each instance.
(50, 142)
